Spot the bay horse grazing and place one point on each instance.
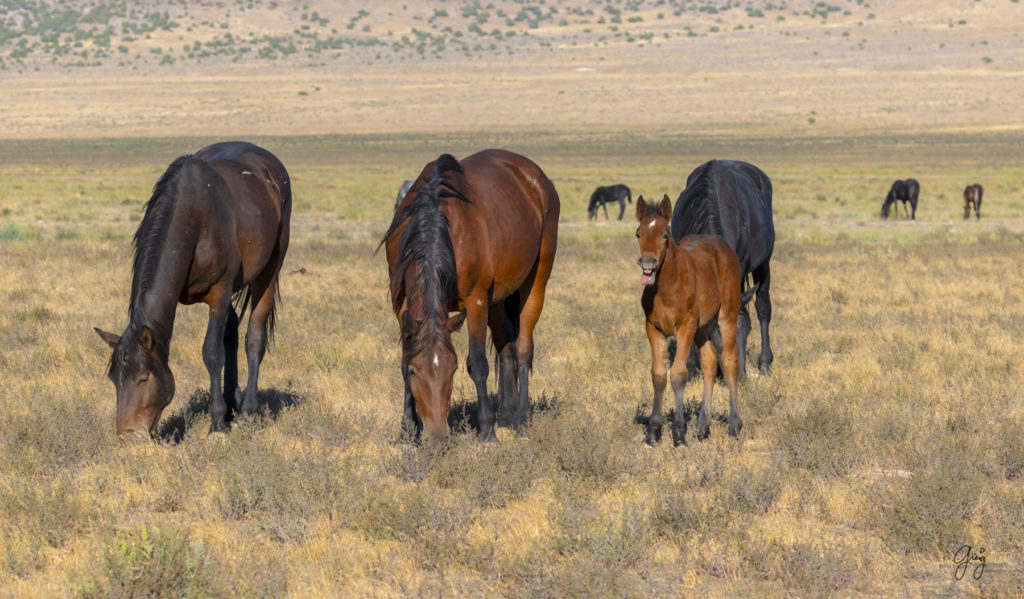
(905, 191)
(609, 195)
(215, 230)
(478, 238)
(733, 199)
(972, 198)
(692, 292)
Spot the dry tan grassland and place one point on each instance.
(890, 434)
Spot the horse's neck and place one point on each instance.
(158, 302)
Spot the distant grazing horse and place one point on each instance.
(479, 237)
(692, 292)
(972, 198)
(404, 189)
(904, 191)
(733, 199)
(214, 230)
(609, 195)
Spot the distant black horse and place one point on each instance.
(972, 197)
(734, 199)
(904, 191)
(609, 195)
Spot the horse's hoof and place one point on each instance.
(219, 427)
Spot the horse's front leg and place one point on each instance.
(658, 379)
(213, 358)
(476, 362)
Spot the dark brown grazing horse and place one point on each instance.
(692, 292)
(215, 229)
(972, 198)
(477, 237)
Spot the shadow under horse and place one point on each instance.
(733, 199)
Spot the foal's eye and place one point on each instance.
(638, 234)
(665, 236)
(142, 381)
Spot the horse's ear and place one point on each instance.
(111, 339)
(146, 337)
(455, 322)
(665, 208)
(641, 208)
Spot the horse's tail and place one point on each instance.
(746, 296)
(629, 195)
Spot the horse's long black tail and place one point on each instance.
(746, 296)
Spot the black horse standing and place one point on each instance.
(609, 195)
(904, 191)
(734, 199)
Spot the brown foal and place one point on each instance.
(692, 292)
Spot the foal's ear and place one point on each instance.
(455, 322)
(665, 208)
(111, 339)
(641, 208)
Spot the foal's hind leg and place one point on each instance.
(679, 374)
(729, 355)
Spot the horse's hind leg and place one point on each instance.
(231, 361)
(763, 305)
(529, 314)
(264, 292)
(501, 320)
(742, 332)
(622, 208)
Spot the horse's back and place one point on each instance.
(508, 225)
(255, 187)
(730, 198)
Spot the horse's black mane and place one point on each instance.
(701, 208)
(148, 242)
(426, 241)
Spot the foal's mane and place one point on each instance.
(426, 245)
(700, 210)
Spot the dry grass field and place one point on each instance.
(890, 435)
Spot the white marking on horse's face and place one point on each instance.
(651, 224)
(479, 302)
(246, 173)
(436, 362)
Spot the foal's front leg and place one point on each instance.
(658, 378)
